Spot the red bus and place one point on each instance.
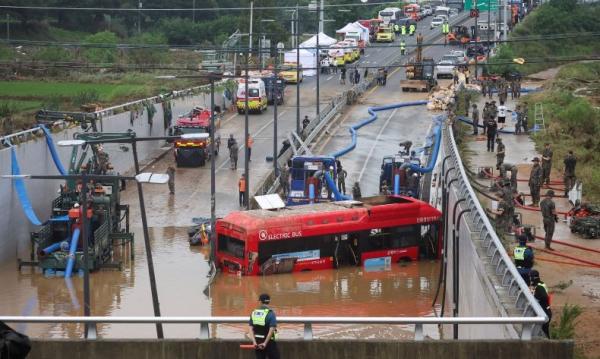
(377, 230)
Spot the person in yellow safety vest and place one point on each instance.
(445, 31)
(541, 293)
(396, 28)
(402, 47)
(263, 328)
(412, 29)
(403, 30)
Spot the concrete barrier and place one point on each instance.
(330, 349)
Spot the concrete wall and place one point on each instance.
(477, 296)
(166, 349)
(34, 158)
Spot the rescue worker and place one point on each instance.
(546, 163)
(249, 143)
(230, 141)
(569, 174)
(242, 190)
(513, 173)
(445, 31)
(519, 124)
(402, 47)
(535, 182)
(263, 329)
(102, 158)
(502, 216)
(524, 119)
(411, 29)
(524, 257)
(491, 128)
(549, 217)
(233, 155)
(403, 29)
(284, 179)
(356, 191)
(341, 179)
(396, 29)
(385, 75)
(490, 88)
(366, 74)
(500, 153)
(171, 183)
(475, 117)
(332, 176)
(540, 292)
(483, 87)
(356, 76)
(305, 122)
(385, 190)
(343, 76)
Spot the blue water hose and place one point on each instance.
(19, 185)
(396, 184)
(51, 248)
(72, 252)
(311, 193)
(336, 193)
(52, 148)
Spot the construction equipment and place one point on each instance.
(419, 71)
(194, 151)
(458, 35)
(58, 245)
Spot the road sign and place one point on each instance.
(482, 5)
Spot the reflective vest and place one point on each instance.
(445, 28)
(412, 28)
(403, 30)
(402, 45)
(543, 285)
(259, 324)
(396, 28)
(519, 253)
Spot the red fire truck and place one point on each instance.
(194, 152)
(377, 230)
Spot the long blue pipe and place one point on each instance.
(396, 184)
(72, 251)
(51, 248)
(336, 193)
(19, 185)
(52, 148)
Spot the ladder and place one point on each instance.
(538, 118)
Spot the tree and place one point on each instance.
(105, 47)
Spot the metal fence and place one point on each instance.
(306, 322)
(502, 272)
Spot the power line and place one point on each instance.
(17, 42)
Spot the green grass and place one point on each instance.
(23, 105)
(42, 89)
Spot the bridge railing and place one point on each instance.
(503, 270)
(307, 322)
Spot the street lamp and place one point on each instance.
(153, 178)
(132, 139)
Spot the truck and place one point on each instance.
(274, 85)
(194, 152)
(373, 26)
(385, 34)
(419, 71)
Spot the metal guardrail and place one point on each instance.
(307, 322)
(504, 270)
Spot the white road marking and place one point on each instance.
(329, 78)
(362, 171)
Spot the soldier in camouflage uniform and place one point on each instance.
(569, 175)
(549, 216)
(171, 182)
(502, 216)
(546, 164)
(500, 153)
(535, 182)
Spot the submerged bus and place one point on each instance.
(377, 230)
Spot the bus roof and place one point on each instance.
(332, 217)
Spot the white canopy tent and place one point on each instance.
(308, 60)
(350, 27)
(324, 41)
(364, 32)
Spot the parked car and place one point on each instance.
(437, 21)
(445, 68)
(461, 56)
(427, 10)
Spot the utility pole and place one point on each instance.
(194, 11)
(476, 39)
(250, 33)
(489, 27)
(297, 28)
(318, 58)
(140, 17)
(246, 153)
(504, 11)
(321, 16)
(84, 238)
(213, 217)
(275, 99)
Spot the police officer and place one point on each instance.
(549, 217)
(500, 153)
(171, 183)
(523, 255)
(475, 117)
(396, 29)
(411, 29)
(403, 29)
(546, 164)
(540, 292)
(445, 31)
(535, 182)
(569, 175)
(402, 47)
(263, 328)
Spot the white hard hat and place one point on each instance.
(76, 205)
(330, 167)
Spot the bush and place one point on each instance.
(7, 109)
(105, 50)
(150, 55)
(53, 54)
(565, 328)
(85, 97)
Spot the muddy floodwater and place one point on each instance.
(181, 272)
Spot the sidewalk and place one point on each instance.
(571, 281)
